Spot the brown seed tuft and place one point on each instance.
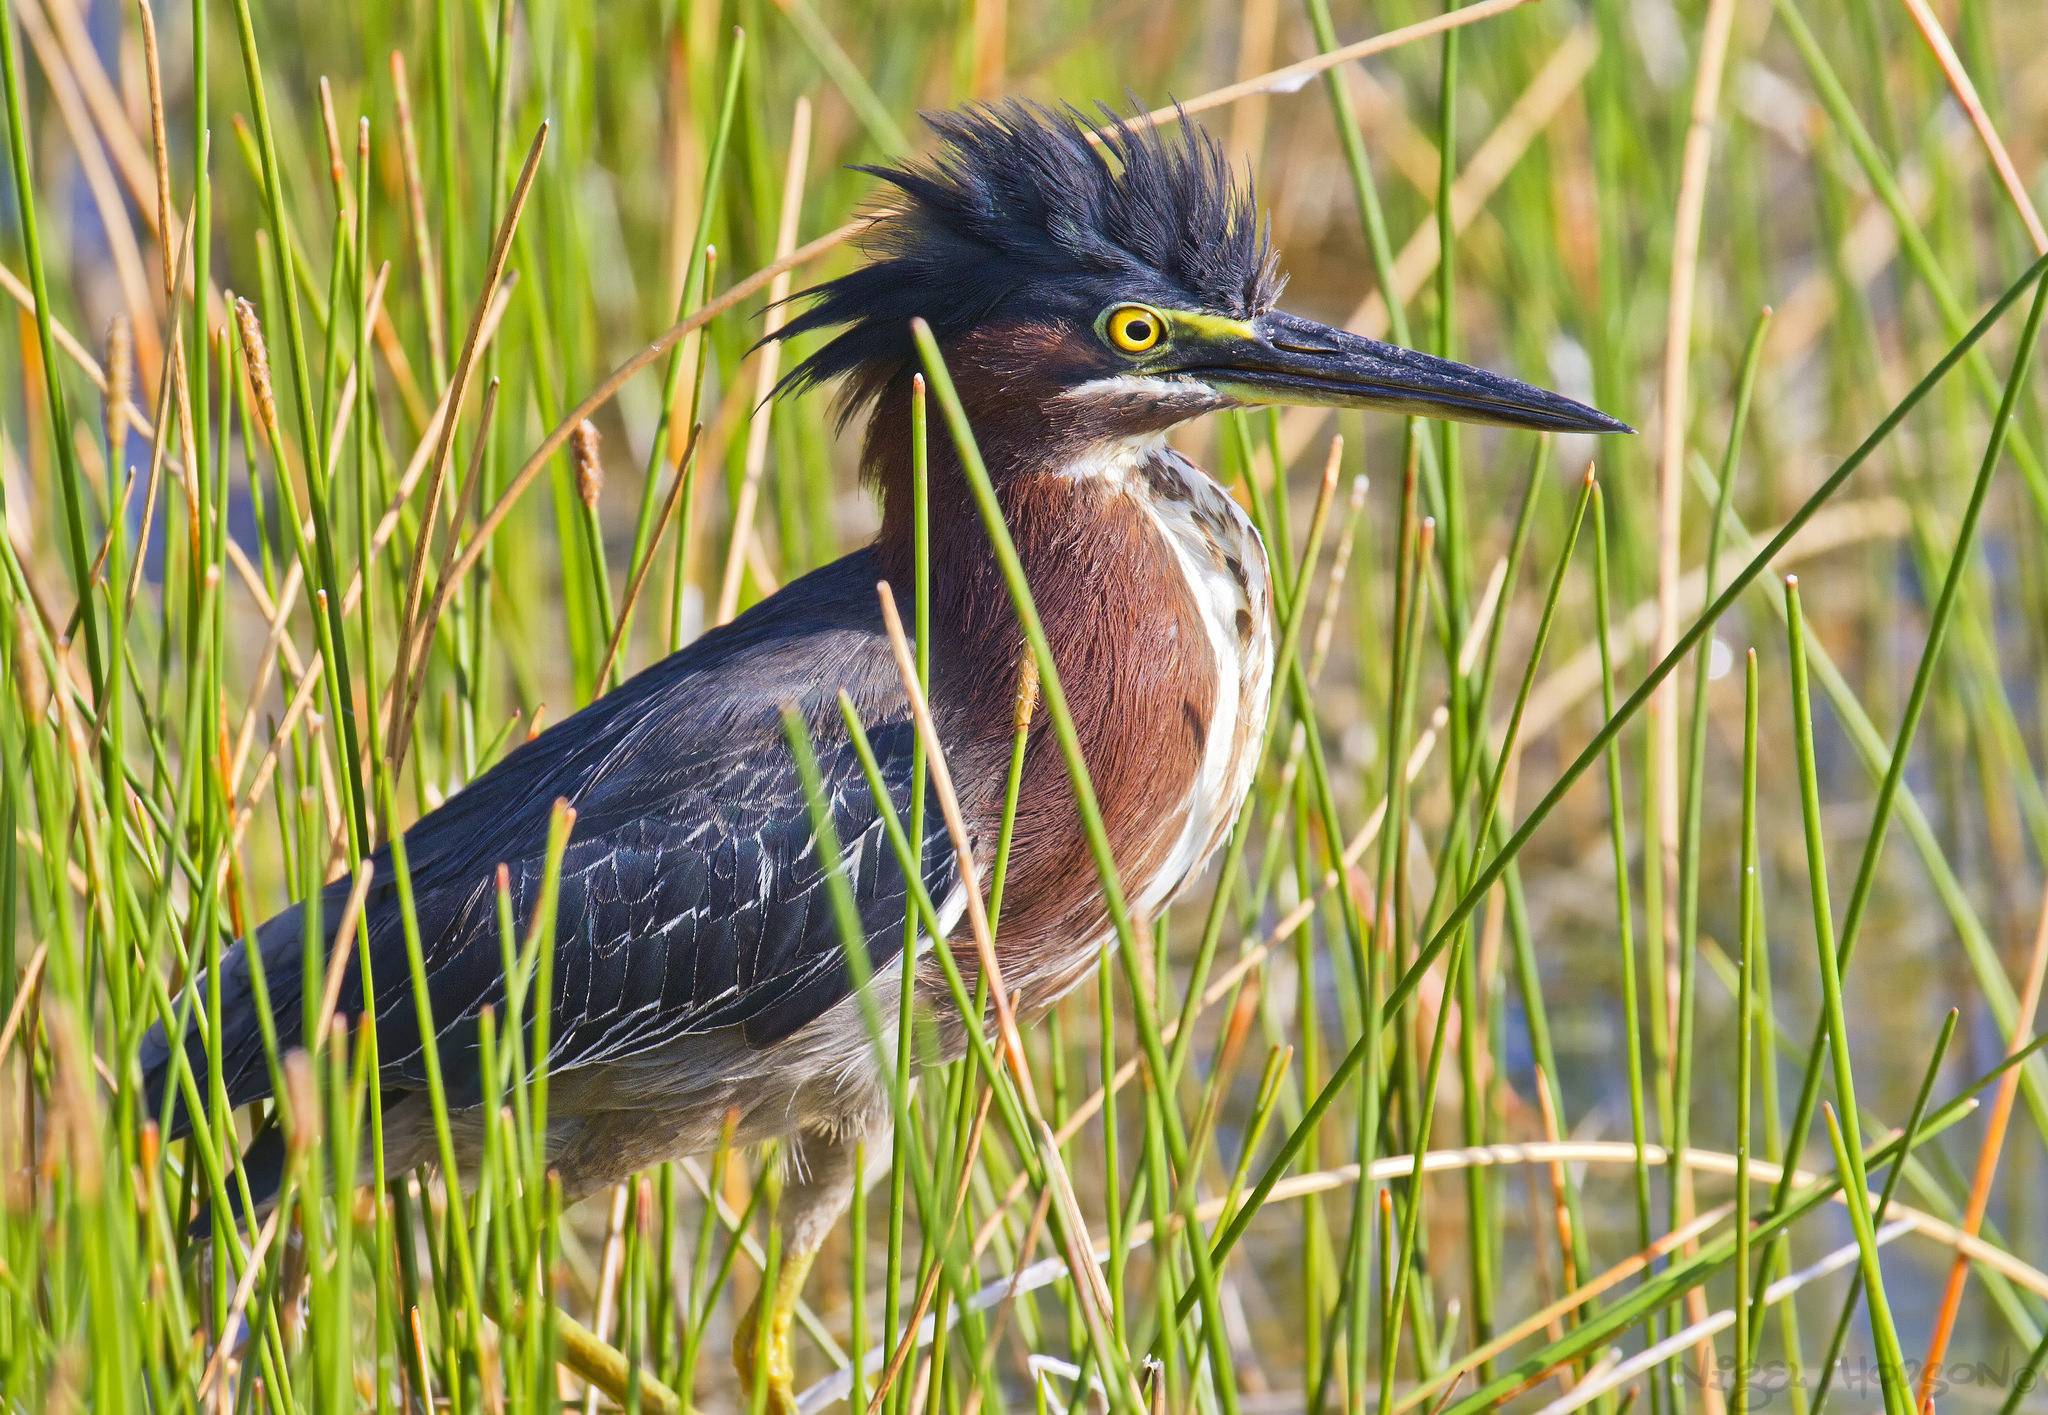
(302, 1102)
(120, 383)
(583, 445)
(29, 678)
(1027, 692)
(258, 355)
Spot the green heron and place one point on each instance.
(1090, 292)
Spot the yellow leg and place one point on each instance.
(772, 1362)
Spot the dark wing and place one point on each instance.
(694, 895)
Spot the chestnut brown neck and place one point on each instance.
(1104, 581)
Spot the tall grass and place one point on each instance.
(384, 386)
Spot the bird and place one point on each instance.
(1091, 287)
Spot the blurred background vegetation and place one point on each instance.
(1603, 197)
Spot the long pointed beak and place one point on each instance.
(1280, 358)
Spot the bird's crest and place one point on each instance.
(1024, 214)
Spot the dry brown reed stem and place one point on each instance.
(25, 992)
(1545, 1284)
(159, 142)
(11, 285)
(536, 463)
(1088, 1279)
(416, 212)
(1258, 25)
(345, 400)
(398, 694)
(85, 776)
(108, 113)
(608, 1278)
(1987, 1154)
(1832, 528)
(1220, 987)
(1573, 1297)
(1497, 1156)
(252, 1268)
(107, 197)
(344, 943)
(265, 768)
(1598, 1379)
(1616, 1371)
(1663, 705)
(991, 26)
(110, 118)
(416, 467)
(1553, 1134)
(1864, 252)
(118, 518)
(465, 370)
(337, 170)
(928, 1289)
(1293, 77)
(73, 875)
(177, 384)
(1504, 147)
(767, 366)
(1033, 1231)
(419, 1356)
(1601, 1152)
(676, 487)
(1966, 94)
(963, 851)
(1283, 80)
(1333, 592)
(387, 526)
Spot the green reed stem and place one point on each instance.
(1844, 1130)
(1923, 679)
(1747, 1319)
(1831, 1361)
(1702, 625)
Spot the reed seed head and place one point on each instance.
(583, 450)
(29, 679)
(120, 383)
(258, 354)
(302, 1107)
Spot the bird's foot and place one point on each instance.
(760, 1347)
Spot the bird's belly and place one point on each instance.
(1223, 564)
(826, 1081)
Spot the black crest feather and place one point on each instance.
(1020, 215)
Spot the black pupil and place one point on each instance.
(1138, 331)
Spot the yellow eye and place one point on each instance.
(1135, 328)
